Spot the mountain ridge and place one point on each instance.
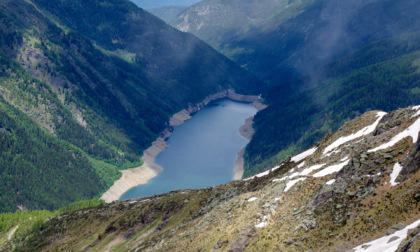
(167, 13)
(356, 185)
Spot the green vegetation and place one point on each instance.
(39, 171)
(379, 76)
(415, 91)
(30, 221)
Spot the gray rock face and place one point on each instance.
(309, 223)
(321, 198)
(243, 239)
(412, 164)
(220, 244)
(393, 238)
(412, 242)
(395, 228)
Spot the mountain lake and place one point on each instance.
(202, 151)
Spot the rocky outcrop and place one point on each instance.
(412, 242)
(186, 113)
(243, 239)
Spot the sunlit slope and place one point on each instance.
(357, 188)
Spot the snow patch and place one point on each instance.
(417, 108)
(412, 131)
(330, 182)
(383, 244)
(302, 173)
(291, 183)
(303, 155)
(263, 223)
(252, 199)
(416, 114)
(395, 172)
(311, 169)
(275, 168)
(294, 175)
(333, 152)
(262, 174)
(301, 164)
(331, 169)
(278, 180)
(366, 130)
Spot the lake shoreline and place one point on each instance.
(247, 131)
(141, 175)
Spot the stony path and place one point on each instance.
(12, 232)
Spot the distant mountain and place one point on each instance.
(167, 13)
(355, 190)
(149, 4)
(270, 37)
(296, 46)
(85, 87)
(223, 22)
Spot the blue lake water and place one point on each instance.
(202, 151)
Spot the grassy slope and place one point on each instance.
(28, 221)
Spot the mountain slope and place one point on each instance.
(167, 13)
(147, 4)
(356, 185)
(223, 22)
(275, 38)
(383, 75)
(102, 79)
(318, 59)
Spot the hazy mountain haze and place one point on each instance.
(149, 4)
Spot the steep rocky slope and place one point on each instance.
(359, 187)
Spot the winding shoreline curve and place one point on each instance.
(140, 175)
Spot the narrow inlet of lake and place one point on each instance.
(202, 151)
